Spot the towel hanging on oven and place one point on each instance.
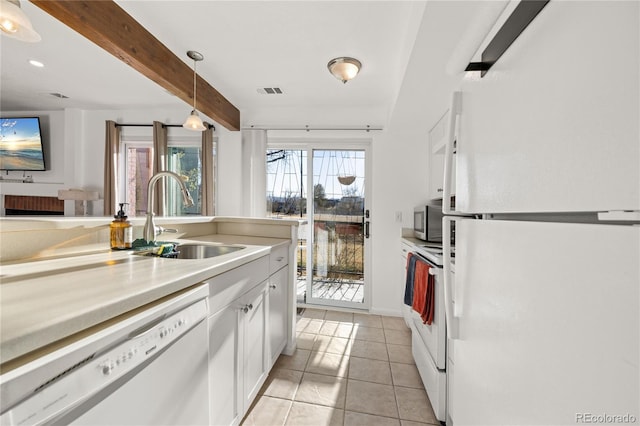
(420, 288)
(408, 287)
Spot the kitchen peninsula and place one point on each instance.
(61, 285)
(76, 282)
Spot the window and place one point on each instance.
(138, 161)
(185, 161)
(184, 158)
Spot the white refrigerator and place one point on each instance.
(543, 286)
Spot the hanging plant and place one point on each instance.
(346, 180)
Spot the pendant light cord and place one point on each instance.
(195, 64)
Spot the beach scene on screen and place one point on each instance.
(20, 144)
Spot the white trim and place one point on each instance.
(319, 143)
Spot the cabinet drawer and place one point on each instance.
(227, 287)
(279, 257)
(434, 380)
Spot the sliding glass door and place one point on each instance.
(334, 244)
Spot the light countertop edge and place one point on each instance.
(45, 301)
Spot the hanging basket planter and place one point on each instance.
(346, 180)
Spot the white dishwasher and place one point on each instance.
(149, 368)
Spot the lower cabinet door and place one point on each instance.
(277, 313)
(224, 369)
(254, 320)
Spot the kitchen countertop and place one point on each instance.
(47, 300)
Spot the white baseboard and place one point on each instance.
(386, 312)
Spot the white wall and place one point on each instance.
(400, 170)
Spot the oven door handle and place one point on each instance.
(434, 269)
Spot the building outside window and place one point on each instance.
(184, 158)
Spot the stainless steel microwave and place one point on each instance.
(427, 223)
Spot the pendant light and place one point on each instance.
(344, 68)
(193, 122)
(14, 22)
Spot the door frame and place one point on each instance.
(344, 144)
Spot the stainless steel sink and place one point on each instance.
(203, 251)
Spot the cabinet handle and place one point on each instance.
(439, 189)
(245, 309)
(250, 306)
(279, 259)
(273, 286)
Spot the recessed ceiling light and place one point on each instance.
(36, 63)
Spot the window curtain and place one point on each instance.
(254, 173)
(111, 154)
(159, 164)
(208, 172)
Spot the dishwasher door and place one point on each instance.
(149, 369)
(171, 390)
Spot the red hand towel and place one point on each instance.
(423, 288)
(427, 314)
(420, 280)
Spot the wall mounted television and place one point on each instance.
(21, 144)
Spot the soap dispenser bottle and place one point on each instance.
(121, 231)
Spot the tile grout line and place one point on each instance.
(351, 339)
(395, 395)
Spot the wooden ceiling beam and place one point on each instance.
(110, 27)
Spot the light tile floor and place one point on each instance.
(349, 370)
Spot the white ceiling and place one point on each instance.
(246, 45)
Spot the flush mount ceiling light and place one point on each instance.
(193, 122)
(14, 23)
(344, 68)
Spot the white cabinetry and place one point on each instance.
(254, 350)
(278, 297)
(277, 313)
(238, 348)
(404, 252)
(248, 329)
(224, 368)
(437, 142)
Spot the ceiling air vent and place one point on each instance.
(270, 91)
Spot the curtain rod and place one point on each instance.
(210, 126)
(309, 128)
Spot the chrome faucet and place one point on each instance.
(149, 231)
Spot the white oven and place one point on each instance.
(429, 342)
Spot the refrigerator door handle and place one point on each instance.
(448, 277)
(449, 151)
